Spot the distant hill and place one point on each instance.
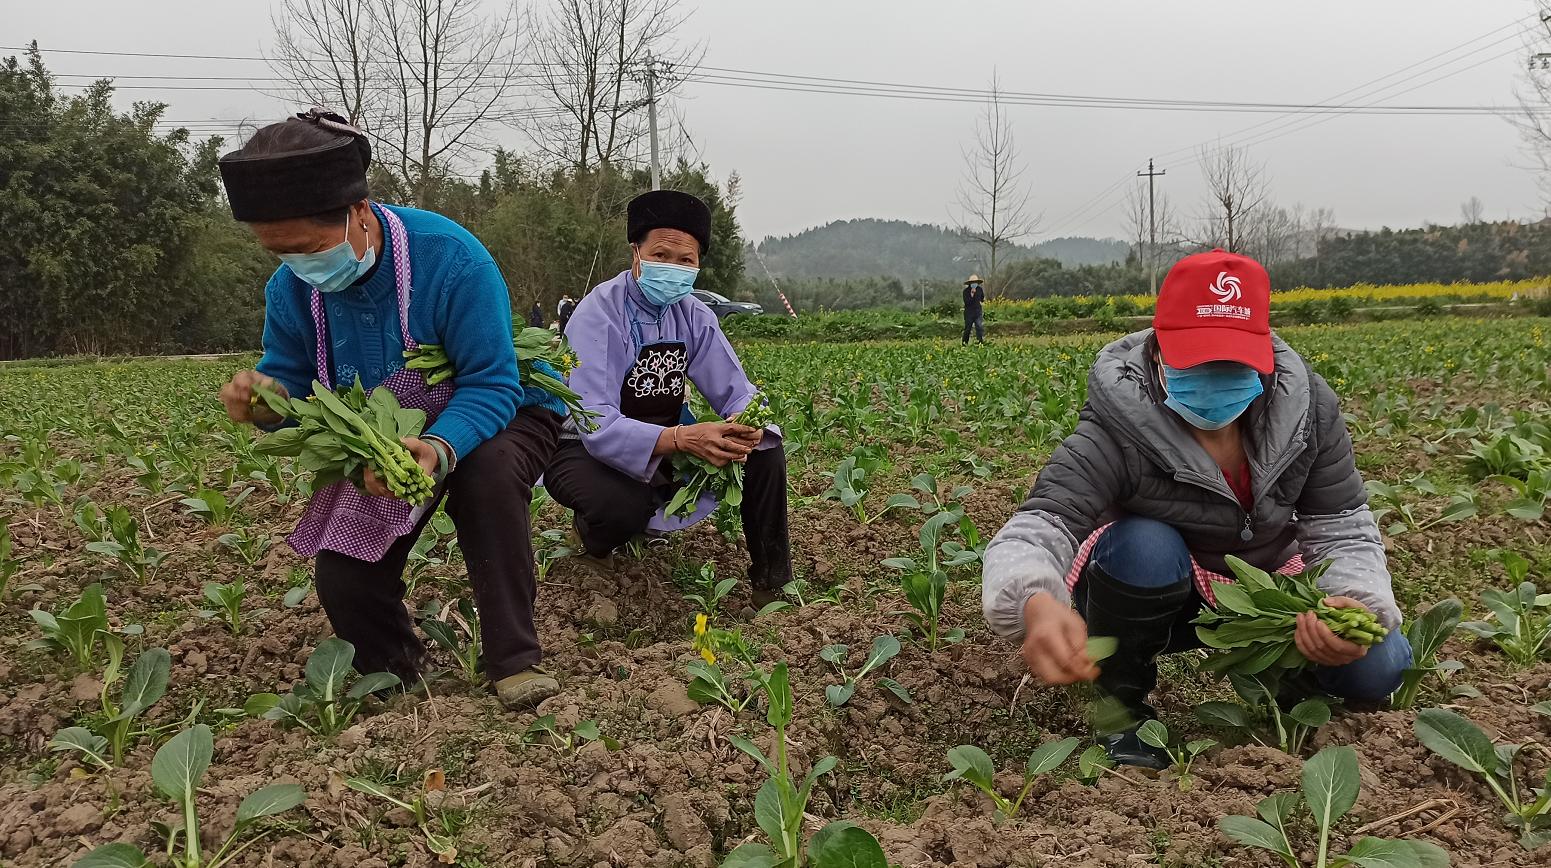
(907, 251)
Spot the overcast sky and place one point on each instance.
(806, 158)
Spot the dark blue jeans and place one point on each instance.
(1138, 586)
(977, 322)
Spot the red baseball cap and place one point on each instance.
(1215, 307)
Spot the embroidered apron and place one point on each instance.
(341, 518)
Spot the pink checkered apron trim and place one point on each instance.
(340, 517)
(1204, 578)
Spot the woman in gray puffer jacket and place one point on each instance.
(1202, 437)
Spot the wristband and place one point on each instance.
(444, 462)
(676, 446)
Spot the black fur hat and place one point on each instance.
(669, 209)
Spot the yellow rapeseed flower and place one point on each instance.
(700, 624)
(707, 656)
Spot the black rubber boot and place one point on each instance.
(1125, 749)
(1143, 620)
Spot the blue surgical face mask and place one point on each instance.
(333, 269)
(1212, 395)
(664, 283)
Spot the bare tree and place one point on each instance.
(993, 201)
(1236, 188)
(593, 58)
(1534, 95)
(325, 52)
(1472, 211)
(1141, 225)
(1322, 225)
(426, 79)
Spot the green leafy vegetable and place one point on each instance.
(340, 435)
(1251, 629)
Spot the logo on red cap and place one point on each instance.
(1227, 289)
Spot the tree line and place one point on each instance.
(119, 241)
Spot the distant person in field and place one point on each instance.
(565, 310)
(332, 313)
(974, 313)
(536, 316)
(1204, 436)
(639, 340)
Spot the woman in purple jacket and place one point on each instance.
(637, 338)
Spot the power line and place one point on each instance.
(1293, 121)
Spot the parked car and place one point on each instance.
(723, 307)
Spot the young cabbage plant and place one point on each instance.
(926, 582)
(1427, 633)
(1533, 494)
(90, 521)
(1261, 718)
(1389, 500)
(441, 843)
(116, 728)
(563, 741)
(1181, 755)
(1330, 787)
(849, 486)
(77, 629)
(227, 600)
(709, 593)
(10, 566)
(1522, 616)
(1461, 742)
(973, 766)
(782, 801)
(458, 633)
(124, 546)
(805, 593)
(321, 704)
(554, 546)
(213, 506)
(177, 770)
(932, 499)
(708, 683)
(884, 649)
(249, 545)
(1093, 763)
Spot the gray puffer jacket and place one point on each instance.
(1131, 455)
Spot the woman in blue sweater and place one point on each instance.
(361, 283)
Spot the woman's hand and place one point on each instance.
(720, 443)
(424, 455)
(1055, 642)
(237, 396)
(1320, 644)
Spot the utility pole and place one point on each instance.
(1152, 223)
(651, 115)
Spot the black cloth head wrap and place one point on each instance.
(280, 186)
(669, 209)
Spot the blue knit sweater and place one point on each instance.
(459, 301)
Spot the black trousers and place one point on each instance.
(612, 507)
(976, 321)
(487, 497)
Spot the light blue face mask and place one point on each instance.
(1212, 395)
(332, 269)
(664, 283)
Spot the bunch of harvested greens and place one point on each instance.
(339, 435)
(698, 476)
(1253, 624)
(530, 345)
